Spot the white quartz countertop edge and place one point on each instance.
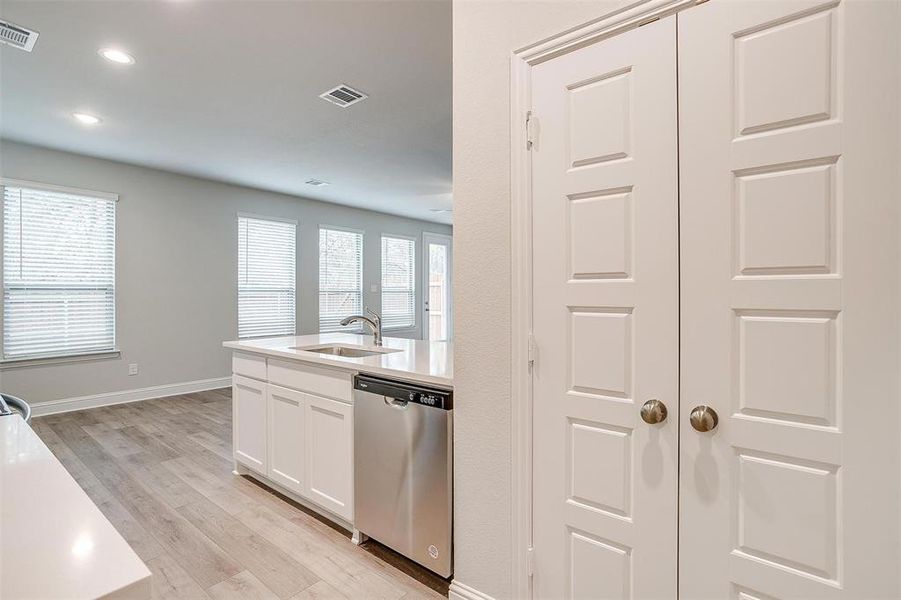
(419, 361)
(56, 542)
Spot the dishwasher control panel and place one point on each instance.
(405, 392)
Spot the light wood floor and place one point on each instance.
(161, 472)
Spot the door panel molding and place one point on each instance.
(789, 292)
(605, 317)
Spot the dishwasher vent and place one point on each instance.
(16, 36)
(343, 95)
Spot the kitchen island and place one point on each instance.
(292, 403)
(56, 542)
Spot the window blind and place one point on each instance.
(398, 283)
(59, 255)
(340, 277)
(266, 277)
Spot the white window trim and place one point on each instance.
(16, 363)
(414, 239)
(6, 182)
(339, 228)
(247, 215)
(114, 352)
(398, 236)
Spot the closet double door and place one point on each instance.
(715, 303)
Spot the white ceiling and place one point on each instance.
(229, 90)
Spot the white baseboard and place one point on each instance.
(461, 591)
(158, 391)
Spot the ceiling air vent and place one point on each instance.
(16, 36)
(343, 96)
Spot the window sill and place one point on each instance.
(16, 363)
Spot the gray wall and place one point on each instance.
(485, 33)
(176, 269)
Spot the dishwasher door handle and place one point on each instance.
(396, 404)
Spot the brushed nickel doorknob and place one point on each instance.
(703, 418)
(653, 411)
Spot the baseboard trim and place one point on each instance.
(461, 591)
(53, 407)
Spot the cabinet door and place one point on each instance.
(287, 432)
(329, 450)
(249, 422)
(789, 228)
(605, 280)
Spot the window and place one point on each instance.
(59, 257)
(398, 283)
(266, 293)
(340, 277)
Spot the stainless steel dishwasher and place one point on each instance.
(403, 469)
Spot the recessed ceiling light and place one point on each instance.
(316, 182)
(441, 210)
(86, 118)
(117, 56)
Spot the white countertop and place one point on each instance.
(420, 361)
(54, 543)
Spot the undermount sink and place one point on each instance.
(350, 351)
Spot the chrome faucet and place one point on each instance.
(373, 320)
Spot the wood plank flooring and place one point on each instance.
(161, 472)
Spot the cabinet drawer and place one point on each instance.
(249, 365)
(323, 382)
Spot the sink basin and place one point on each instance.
(351, 351)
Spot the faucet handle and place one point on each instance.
(374, 315)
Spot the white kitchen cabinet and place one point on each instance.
(287, 437)
(298, 437)
(249, 427)
(329, 451)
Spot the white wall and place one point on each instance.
(485, 34)
(176, 269)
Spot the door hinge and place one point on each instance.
(530, 561)
(533, 350)
(530, 130)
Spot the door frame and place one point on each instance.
(522, 352)
(448, 240)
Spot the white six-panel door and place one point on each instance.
(605, 227)
(789, 257)
(781, 228)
